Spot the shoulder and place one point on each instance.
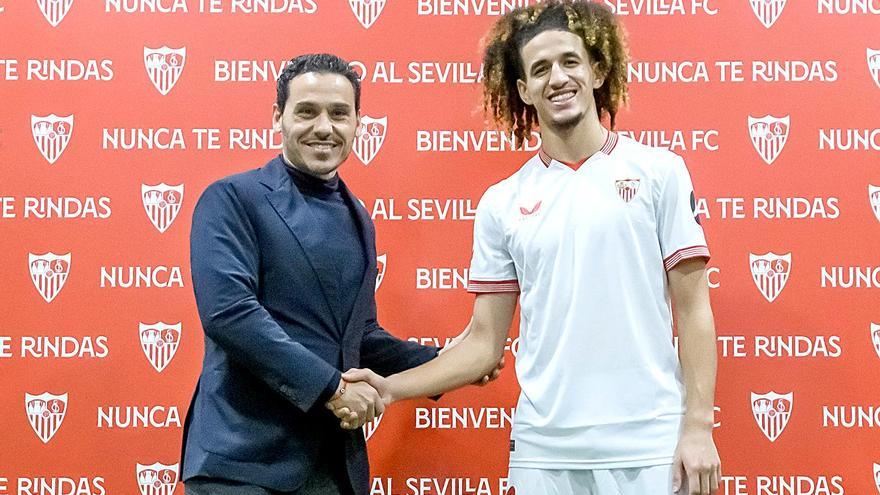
(657, 163)
(232, 189)
(237, 182)
(504, 191)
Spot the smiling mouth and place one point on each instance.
(562, 96)
(321, 146)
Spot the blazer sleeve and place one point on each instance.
(386, 354)
(225, 261)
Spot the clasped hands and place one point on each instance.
(363, 395)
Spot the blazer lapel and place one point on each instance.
(368, 241)
(292, 208)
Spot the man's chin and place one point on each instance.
(322, 167)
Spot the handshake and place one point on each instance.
(363, 395)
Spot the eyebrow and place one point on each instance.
(334, 105)
(544, 60)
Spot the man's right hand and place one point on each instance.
(357, 405)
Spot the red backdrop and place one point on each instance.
(117, 114)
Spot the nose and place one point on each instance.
(323, 126)
(558, 77)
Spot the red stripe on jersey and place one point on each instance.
(685, 253)
(607, 147)
(484, 286)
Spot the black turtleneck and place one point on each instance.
(342, 249)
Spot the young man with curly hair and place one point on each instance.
(593, 235)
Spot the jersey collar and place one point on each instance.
(606, 149)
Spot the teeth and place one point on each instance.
(562, 96)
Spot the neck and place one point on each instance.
(303, 169)
(573, 144)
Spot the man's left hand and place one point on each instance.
(697, 461)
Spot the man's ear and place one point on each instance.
(276, 118)
(598, 75)
(357, 124)
(523, 94)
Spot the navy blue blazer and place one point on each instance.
(272, 342)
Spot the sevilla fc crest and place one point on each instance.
(770, 273)
(874, 196)
(772, 412)
(159, 342)
(370, 137)
(769, 135)
(367, 11)
(164, 66)
(162, 203)
(51, 133)
(627, 188)
(874, 65)
(877, 476)
(370, 428)
(49, 272)
(45, 412)
(54, 10)
(875, 337)
(380, 269)
(768, 11)
(157, 479)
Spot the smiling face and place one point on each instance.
(318, 123)
(559, 79)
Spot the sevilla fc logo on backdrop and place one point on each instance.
(768, 11)
(874, 197)
(874, 65)
(157, 479)
(627, 188)
(370, 137)
(45, 413)
(367, 11)
(51, 133)
(164, 66)
(159, 342)
(54, 10)
(162, 203)
(49, 273)
(875, 337)
(370, 428)
(770, 273)
(380, 269)
(772, 412)
(769, 135)
(877, 476)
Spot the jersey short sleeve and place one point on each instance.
(492, 268)
(678, 227)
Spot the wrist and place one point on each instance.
(392, 394)
(698, 423)
(340, 389)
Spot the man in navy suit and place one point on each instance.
(284, 270)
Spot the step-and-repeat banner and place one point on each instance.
(116, 114)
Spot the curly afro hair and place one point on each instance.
(594, 23)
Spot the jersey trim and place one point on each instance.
(607, 147)
(683, 254)
(484, 286)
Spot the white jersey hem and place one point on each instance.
(569, 464)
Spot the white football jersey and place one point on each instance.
(588, 247)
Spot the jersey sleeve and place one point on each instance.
(678, 227)
(492, 268)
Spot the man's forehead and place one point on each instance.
(551, 44)
(321, 86)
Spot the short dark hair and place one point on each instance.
(323, 63)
